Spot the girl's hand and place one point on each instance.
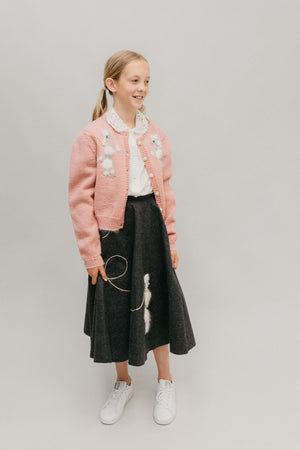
(175, 258)
(93, 272)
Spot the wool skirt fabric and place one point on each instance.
(142, 305)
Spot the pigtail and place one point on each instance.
(102, 104)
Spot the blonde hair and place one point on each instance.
(113, 69)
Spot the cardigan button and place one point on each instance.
(151, 175)
(160, 209)
(156, 193)
(145, 158)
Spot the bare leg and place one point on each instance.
(162, 360)
(122, 372)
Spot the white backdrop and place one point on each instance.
(225, 88)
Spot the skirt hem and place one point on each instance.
(135, 363)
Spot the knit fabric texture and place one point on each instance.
(99, 178)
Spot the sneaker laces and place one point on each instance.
(114, 395)
(164, 396)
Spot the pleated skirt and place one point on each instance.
(142, 305)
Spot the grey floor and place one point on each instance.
(236, 390)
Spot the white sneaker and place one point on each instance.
(165, 403)
(113, 408)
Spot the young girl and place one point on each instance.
(122, 208)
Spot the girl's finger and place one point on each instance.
(103, 274)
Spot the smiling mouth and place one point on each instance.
(139, 97)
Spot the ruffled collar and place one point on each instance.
(117, 123)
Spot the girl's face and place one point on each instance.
(132, 87)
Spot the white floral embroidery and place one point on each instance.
(147, 297)
(109, 150)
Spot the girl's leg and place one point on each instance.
(122, 372)
(162, 360)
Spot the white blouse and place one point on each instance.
(139, 181)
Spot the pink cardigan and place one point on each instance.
(99, 182)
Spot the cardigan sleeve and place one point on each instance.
(170, 198)
(82, 179)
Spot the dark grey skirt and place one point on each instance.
(142, 305)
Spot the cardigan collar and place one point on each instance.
(119, 125)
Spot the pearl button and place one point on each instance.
(156, 193)
(160, 209)
(151, 175)
(139, 142)
(145, 158)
